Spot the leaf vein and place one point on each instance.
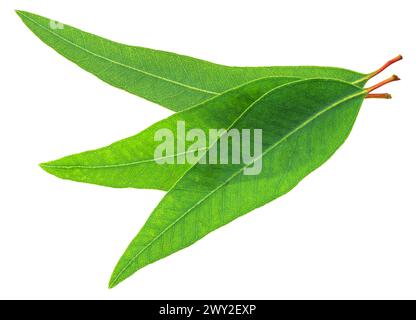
(116, 62)
(305, 123)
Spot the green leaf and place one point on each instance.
(171, 80)
(131, 162)
(303, 124)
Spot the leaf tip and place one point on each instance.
(116, 277)
(113, 282)
(43, 165)
(20, 13)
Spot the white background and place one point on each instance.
(346, 231)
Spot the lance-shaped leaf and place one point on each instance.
(131, 162)
(303, 124)
(171, 80)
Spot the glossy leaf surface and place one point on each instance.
(131, 162)
(168, 79)
(303, 124)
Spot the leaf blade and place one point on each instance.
(175, 224)
(174, 81)
(131, 163)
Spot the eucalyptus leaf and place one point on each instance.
(305, 113)
(131, 162)
(171, 80)
(303, 124)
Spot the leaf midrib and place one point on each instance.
(305, 123)
(118, 165)
(116, 62)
